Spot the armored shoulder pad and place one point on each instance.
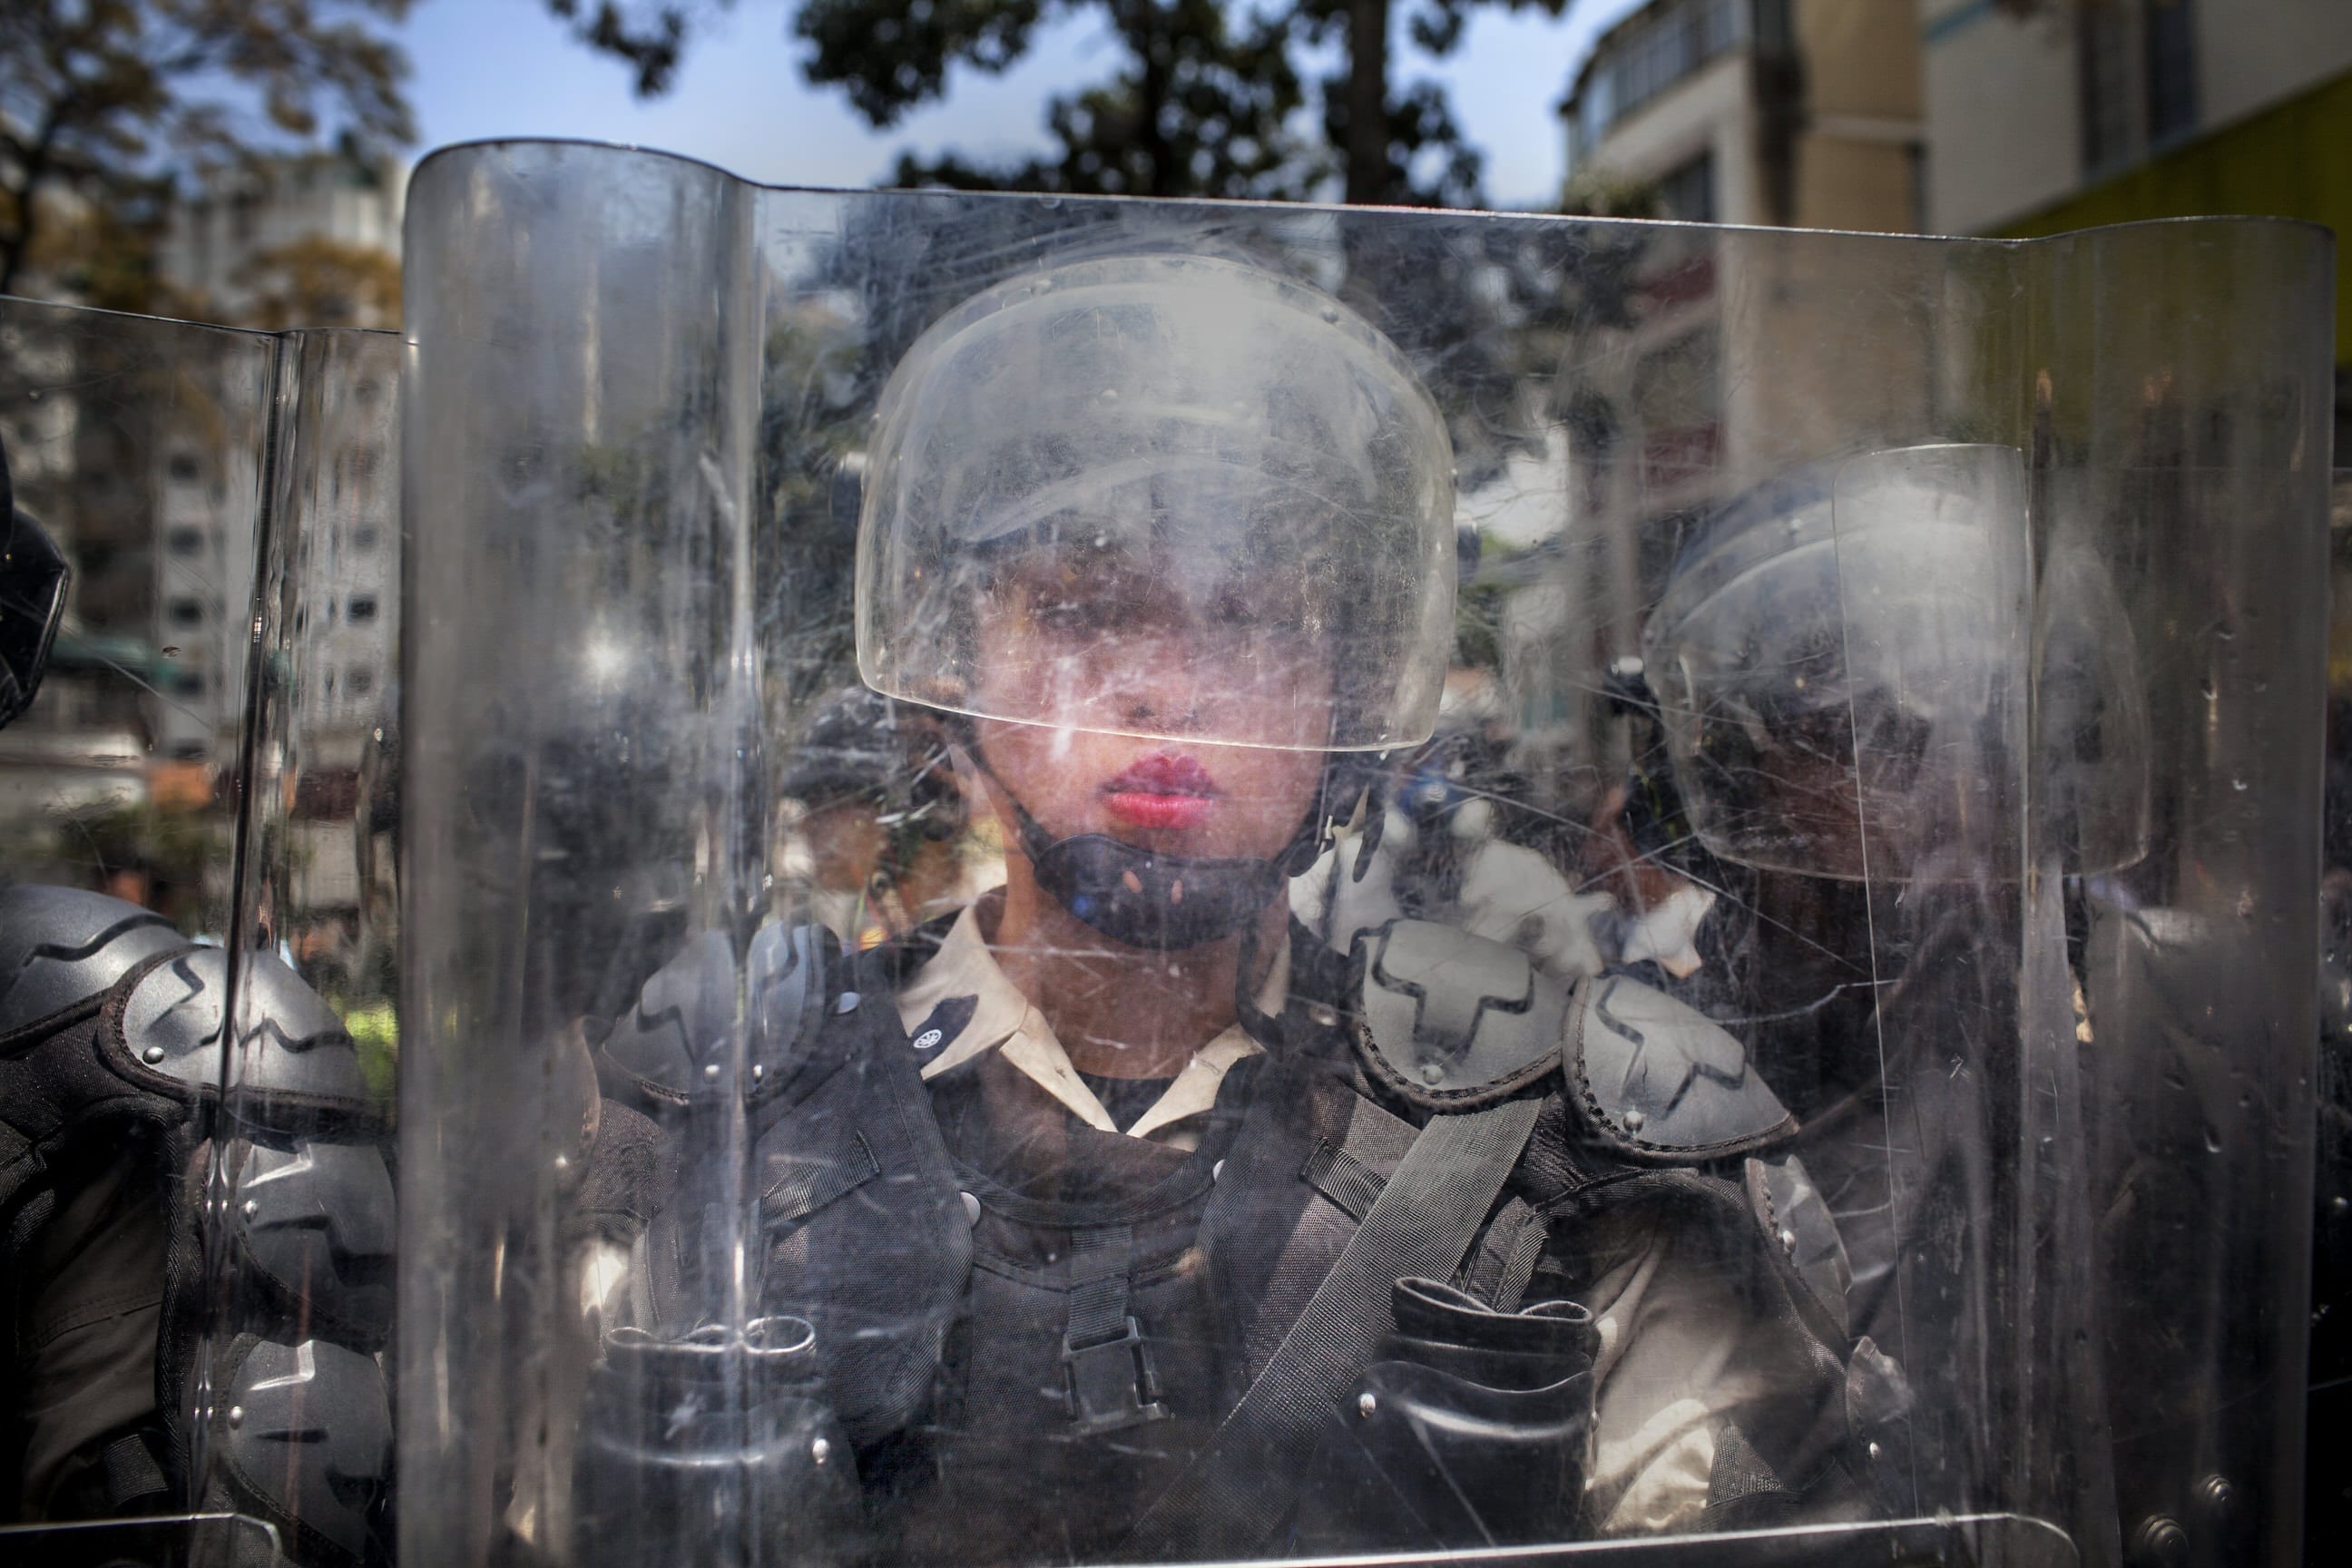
(1450, 1020)
(1662, 1082)
(293, 1056)
(61, 946)
(664, 1050)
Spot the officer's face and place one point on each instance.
(1105, 648)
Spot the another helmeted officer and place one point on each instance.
(1120, 1216)
(128, 1110)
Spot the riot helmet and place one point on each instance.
(1175, 498)
(1843, 664)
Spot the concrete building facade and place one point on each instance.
(1790, 112)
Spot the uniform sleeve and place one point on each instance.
(89, 1311)
(1688, 1368)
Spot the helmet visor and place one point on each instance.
(1168, 497)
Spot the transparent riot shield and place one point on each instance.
(1123, 882)
(202, 1222)
(2328, 1493)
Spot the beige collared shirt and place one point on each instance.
(1003, 1021)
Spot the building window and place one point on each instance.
(1686, 193)
(2106, 61)
(184, 468)
(186, 541)
(186, 613)
(362, 608)
(2171, 70)
(360, 682)
(189, 683)
(1678, 38)
(364, 536)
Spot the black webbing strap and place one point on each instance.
(1108, 1362)
(130, 1473)
(1237, 1490)
(1099, 1259)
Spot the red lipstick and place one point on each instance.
(1166, 789)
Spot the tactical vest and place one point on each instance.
(1161, 1354)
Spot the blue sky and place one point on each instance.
(505, 68)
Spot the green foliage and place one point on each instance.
(1478, 618)
(1208, 100)
(95, 95)
(1197, 107)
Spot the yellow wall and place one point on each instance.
(1862, 57)
(1847, 183)
(2293, 161)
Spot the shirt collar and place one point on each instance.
(1002, 1020)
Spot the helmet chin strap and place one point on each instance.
(1145, 898)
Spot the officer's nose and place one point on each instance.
(1156, 681)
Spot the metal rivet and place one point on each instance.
(564, 1161)
(1432, 1072)
(848, 1002)
(1876, 1451)
(2159, 1540)
(711, 1072)
(1323, 1018)
(251, 1208)
(2217, 1494)
(1788, 1241)
(970, 1208)
(1635, 1122)
(1366, 1405)
(758, 1071)
(1217, 1171)
(151, 1055)
(236, 1415)
(820, 1450)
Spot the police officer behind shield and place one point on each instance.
(1118, 1216)
(113, 1127)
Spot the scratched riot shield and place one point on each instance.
(1133, 881)
(199, 1197)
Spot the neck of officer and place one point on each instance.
(1119, 1011)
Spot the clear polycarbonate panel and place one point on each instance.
(138, 444)
(952, 1013)
(2329, 1408)
(227, 502)
(1845, 655)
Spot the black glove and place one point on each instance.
(1469, 1429)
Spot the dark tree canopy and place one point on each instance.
(97, 95)
(1209, 98)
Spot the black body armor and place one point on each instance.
(113, 1136)
(1344, 1321)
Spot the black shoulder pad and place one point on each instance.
(1663, 1082)
(1448, 1019)
(665, 1048)
(294, 1059)
(61, 946)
